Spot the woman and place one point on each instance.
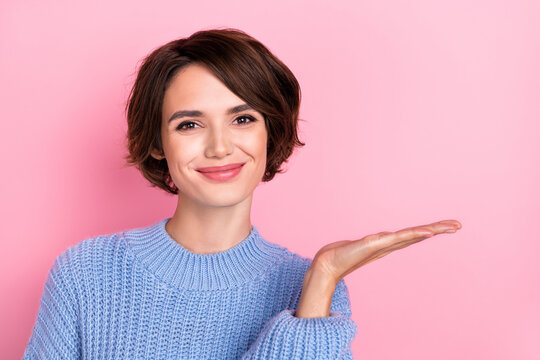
(209, 117)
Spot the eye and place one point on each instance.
(188, 125)
(182, 125)
(248, 117)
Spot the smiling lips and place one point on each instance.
(221, 173)
(220, 168)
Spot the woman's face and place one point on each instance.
(210, 137)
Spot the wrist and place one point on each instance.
(317, 292)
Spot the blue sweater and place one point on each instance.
(138, 294)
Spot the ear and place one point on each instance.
(156, 154)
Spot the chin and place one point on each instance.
(225, 201)
(223, 198)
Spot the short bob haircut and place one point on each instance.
(244, 65)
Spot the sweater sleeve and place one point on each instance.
(56, 334)
(288, 337)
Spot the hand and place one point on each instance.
(333, 261)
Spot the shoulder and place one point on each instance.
(92, 253)
(289, 261)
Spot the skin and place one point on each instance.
(212, 217)
(333, 261)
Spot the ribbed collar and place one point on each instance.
(185, 269)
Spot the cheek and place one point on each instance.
(264, 144)
(257, 143)
(182, 151)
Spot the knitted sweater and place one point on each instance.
(138, 294)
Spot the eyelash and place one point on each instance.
(251, 118)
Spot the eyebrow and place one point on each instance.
(197, 113)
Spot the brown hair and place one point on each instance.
(244, 65)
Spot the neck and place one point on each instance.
(205, 229)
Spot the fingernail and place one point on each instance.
(450, 231)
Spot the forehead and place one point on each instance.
(196, 86)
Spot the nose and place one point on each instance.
(219, 143)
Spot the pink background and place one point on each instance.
(415, 112)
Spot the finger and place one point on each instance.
(453, 222)
(372, 245)
(438, 227)
(404, 236)
(416, 233)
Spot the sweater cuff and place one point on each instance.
(288, 337)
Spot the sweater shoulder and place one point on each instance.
(291, 260)
(91, 252)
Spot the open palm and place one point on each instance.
(343, 257)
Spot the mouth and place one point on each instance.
(230, 174)
(217, 169)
